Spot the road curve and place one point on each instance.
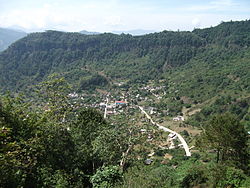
(183, 142)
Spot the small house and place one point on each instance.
(178, 118)
(120, 103)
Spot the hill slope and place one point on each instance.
(183, 56)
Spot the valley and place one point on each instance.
(167, 109)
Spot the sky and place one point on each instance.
(119, 15)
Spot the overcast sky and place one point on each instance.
(112, 15)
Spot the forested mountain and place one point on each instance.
(8, 36)
(53, 132)
(132, 58)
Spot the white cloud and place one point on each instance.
(113, 21)
(196, 22)
(27, 18)
(114, 15)
(218, 5)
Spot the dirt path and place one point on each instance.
(105, 112)
(183, 142)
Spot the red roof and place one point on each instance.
(120, 102)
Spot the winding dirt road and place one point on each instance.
(183, 142)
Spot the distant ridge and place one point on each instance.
(89, 32)
(135, 32)
(9, 36)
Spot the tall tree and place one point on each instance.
(54, 92)
(227, 135)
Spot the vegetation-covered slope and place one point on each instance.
(120, 56)
(139, 58)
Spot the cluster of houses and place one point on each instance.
(109, 105)
(113, 107)
(118, 106)
(153, 89)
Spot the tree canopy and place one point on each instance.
(228, 136)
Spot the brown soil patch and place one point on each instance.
(193, 111)
(168, 156)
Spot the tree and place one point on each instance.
(227, 136)
(116, 145)
(54, 93)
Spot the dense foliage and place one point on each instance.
(38, 150)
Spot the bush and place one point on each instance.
(106, 177)
(196, 176)
(233, 178)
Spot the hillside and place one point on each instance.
(191, 58)
(8, 36)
